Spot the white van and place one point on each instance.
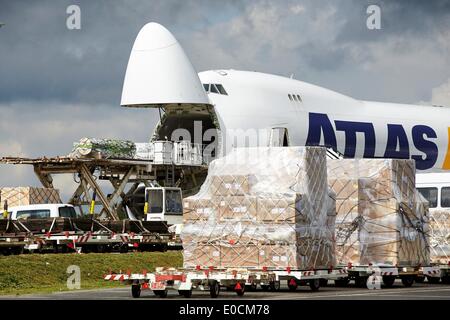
(42, 211)
(435, 187)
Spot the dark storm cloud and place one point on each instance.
(42, 60)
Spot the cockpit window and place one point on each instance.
(214, 88)
(221, 89)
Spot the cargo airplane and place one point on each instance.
(218, 108)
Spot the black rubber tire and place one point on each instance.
(361, 282)
(408, 281)
(341, 283)
(323, 282)
(433, 280)
(214, 288)
(185, 293)
(388, 281)
(314, 284)
(275, 286)
(419, 279)
(240, 292)
(136, 290)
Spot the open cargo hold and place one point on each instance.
(440, 236)
(381, 218)
(262, 207)
(21, 196)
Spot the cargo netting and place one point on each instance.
(21, 196)
(381, 217)
(440, 236)
(262, 207)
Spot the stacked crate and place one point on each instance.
(381, 218)
(21, 196)
(262, 207)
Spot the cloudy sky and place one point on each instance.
(58, 85)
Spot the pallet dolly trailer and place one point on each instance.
(386, 273)
(97, 241)
(435, 273)
(212, 280)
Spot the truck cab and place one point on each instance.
(42, 211)
(164, 204)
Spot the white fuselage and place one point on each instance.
(257, 109)
(259, 103)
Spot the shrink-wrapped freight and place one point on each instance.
(262, 207)
(381, 218)
(440, 236)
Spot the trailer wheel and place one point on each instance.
(274, 285)
(160, 293)
(323, 282)
(314, 284)
(433, 280)
(408, 281)
(292, 284)
(420, 279)
(185, 293)
(388, 281)
(343, 282)
(214, 288)
(136, 290)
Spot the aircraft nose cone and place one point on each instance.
(159, 73)
(153, 36)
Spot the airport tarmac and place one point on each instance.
(419, 291)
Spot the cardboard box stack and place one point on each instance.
(21, 196)
(262, 207)
(381, 218)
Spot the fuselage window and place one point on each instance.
(290, 97)
(299, 98)
(431, 194)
